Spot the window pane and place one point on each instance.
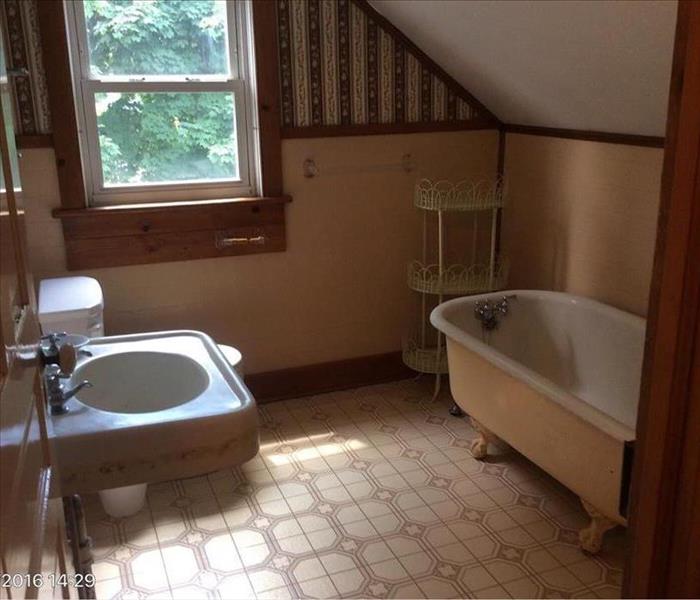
(157, 37)
(166, 137)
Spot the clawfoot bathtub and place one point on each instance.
(557, 379)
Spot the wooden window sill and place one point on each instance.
(119, 235)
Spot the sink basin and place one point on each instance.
(162, 405)
(140, 382)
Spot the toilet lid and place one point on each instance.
(61, 298)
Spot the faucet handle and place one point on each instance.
(67, 358)
(53, 336)
(54, 371)
(50, 351)
(503, 304)
(64, 355)
(482, 308)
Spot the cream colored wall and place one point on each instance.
(338, 291)
(582, 217)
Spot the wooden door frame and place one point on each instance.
(664, 557)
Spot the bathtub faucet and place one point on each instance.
(487, 311)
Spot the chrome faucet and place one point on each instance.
(488, 312)
(59, 361)
(50, 346)
(50, 350)
(56, 391)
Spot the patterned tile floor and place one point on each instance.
(370, 492)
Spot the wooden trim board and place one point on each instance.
(384, 128)
(117, 235)
(590, 136)
(327, 377)
(59, 83)
(474, 124)
(40, 140)
(268, 96)
(664, 555)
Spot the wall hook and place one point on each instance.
(309, 168)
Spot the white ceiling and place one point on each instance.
(578, 64)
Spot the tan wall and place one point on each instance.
(339, 290)
(582, 217)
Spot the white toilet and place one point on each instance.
(71, 304)
(76, 305)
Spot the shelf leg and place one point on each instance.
(424, 315)
(438, 353)
(492, 258)
(438, 356)
(424, 322)
(441, 234)
(436, 393)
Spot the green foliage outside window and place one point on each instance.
(174, 136)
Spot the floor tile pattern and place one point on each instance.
(364, 493)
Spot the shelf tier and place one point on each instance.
(465, 195)
(424, 360)
(456, 280)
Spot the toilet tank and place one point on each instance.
(71, 304)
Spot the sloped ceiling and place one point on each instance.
(578, 64)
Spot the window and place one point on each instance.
(164, 94)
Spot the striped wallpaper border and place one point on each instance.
(30, 97)
(345, 69)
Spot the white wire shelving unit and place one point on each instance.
(440, 279)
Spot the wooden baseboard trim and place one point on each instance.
(320, 131)
(327, 377)
(590, 136)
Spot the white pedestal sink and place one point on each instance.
(141, 382)
(163, 405)
(124, 501)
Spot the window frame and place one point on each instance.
(162, 232)
(240, 82)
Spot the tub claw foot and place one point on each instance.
(480, 446)
(591, 537)
(456, 411)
